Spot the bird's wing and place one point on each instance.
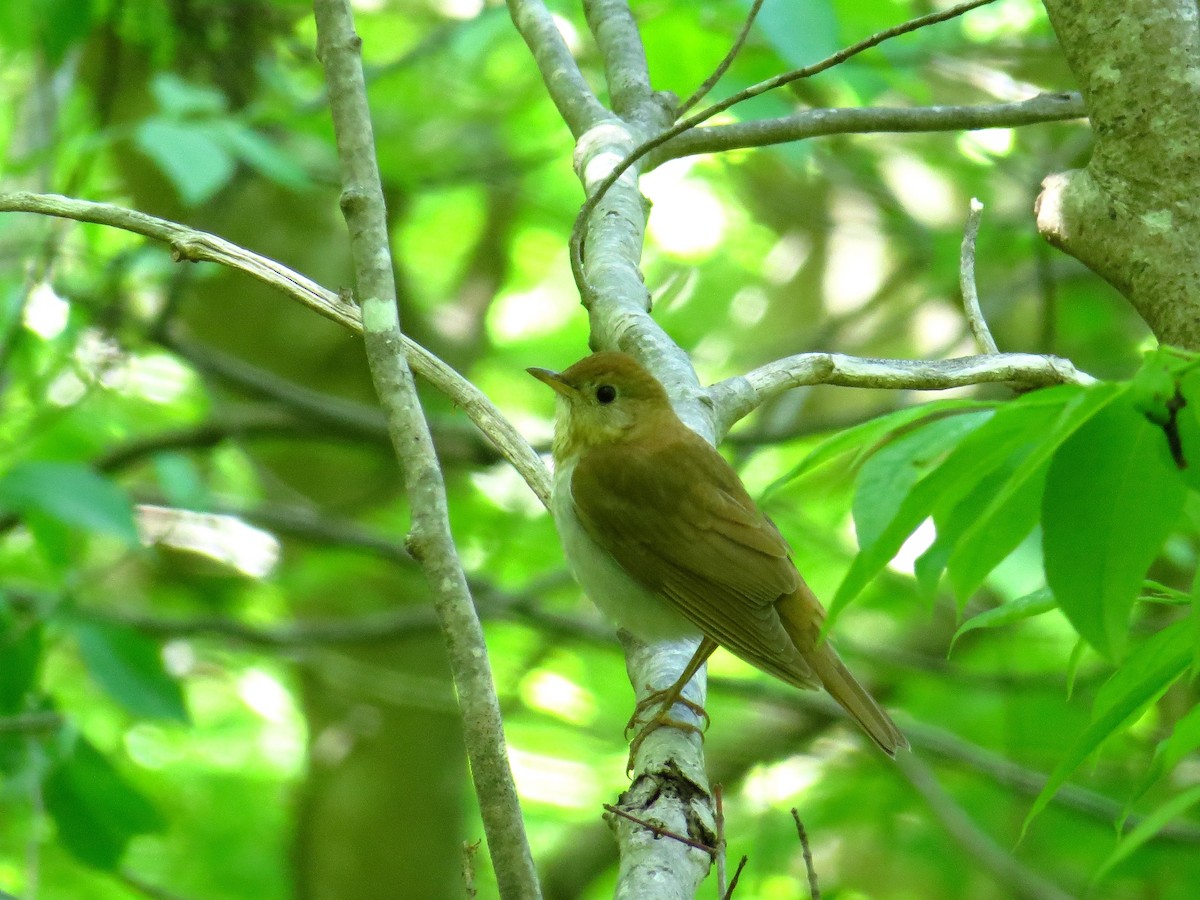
(690, 532)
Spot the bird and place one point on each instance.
(664, 538)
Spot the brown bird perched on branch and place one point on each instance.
(661, 534)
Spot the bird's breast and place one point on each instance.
(618, 596)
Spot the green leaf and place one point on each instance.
(1112, 496)
(1143, 678)
(195, 164)
(865, 436)
(886, 478)
(1009, 512)
(95, 810)
(71, 494)
(179, 98)
(128, 665)
(260, 154)
(981, 451)
(1185, 738)
(1073, 662)
(1035, 604)
(1151, 825)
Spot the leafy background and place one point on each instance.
(219, 676)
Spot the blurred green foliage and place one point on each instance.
(219, 674)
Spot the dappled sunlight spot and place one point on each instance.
(785, 260)
(46, 313)
(936, 326)
(459, 9)
(156, 377)
(263, 693)
(687, 218)
(749, 305)
(916, 544)
(568, 32)
(66, 390)
(149, 746)
(225, 539)
(554, 781)
(519, 316)
(179, 658)
(986, 145)
(926, 194)
(1000, 20)
(770, 786)
(858, 258)
(557, 696)
(368, 5)
(504, 486)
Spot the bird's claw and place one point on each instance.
(665, 701)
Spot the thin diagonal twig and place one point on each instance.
(711, 81)
(660, 831)
(966, 280)
(579, 231)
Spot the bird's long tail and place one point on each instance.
(802, 616)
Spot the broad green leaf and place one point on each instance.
(888, 475)
(1010, 513)
(95, 810)
(260, 154)
(1112, 496)
(981, 451)
(128, 665)
(71, 494)
(1151, 825)
(1184, 739)
(1143, 678)
(865, 436)
(195, 164)
(179, 98)
(1040, 601)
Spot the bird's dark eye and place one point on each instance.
(606, 393)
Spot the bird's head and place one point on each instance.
(604, 398)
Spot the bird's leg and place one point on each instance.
(666, 699)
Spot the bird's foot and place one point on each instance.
(665, 701)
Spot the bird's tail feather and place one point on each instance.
(802, 616)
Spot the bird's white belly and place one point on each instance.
(618, 596)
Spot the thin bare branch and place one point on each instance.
(430, 540)
(571, 94)
(620, 45)
(735, 397)
(711, 81)
(814, 889)
(966, 280)
(192, 245)
(579, 231)
(870, 120)
(1017, 879)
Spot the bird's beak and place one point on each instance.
(554, 380)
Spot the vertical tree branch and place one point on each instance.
(1131, 215)
(430, 539)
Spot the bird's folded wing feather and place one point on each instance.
(677, 519)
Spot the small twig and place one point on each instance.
(660, 831)
(579, 230)
(188, 244)
(966, 279)
(814, 889)
(737, 873)
(719, 822)
(470, 848)
(711, 81)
